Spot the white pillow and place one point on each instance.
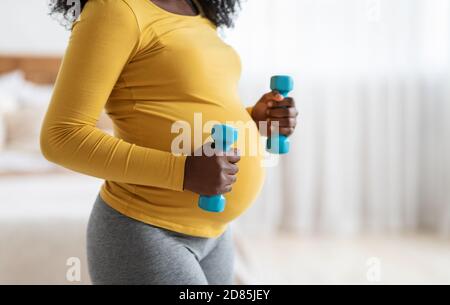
(23, 128)
(22, 109)
(10, 87)
(33, 95)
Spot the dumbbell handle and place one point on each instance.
(224, 137)
(280, 144)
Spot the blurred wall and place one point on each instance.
(25, 28)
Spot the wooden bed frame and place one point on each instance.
(37, 69)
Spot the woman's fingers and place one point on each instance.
(284, 122)
(287, 131)
(227, 189)
(285, 112)
(284, 116)
(233, 156)
(232, 169)
(272, 98)
(284, 102)
(285, 127)
(232, 179)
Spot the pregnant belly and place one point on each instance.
(155, 131)
(248, 186)
(250, 178)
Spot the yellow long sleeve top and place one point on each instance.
(149, 68)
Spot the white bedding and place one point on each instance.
(22, 108)
(16, 91)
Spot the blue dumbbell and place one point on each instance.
(280, 144)
(224, 137)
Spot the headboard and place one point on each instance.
(41, 70)
(37, 69)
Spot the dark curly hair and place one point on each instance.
(220, 12)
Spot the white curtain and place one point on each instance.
(372, 151)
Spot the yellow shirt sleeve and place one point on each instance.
(102, 42)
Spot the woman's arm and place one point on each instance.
(101, 44)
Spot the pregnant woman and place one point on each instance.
(150, 64)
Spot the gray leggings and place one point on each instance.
(125, 251)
